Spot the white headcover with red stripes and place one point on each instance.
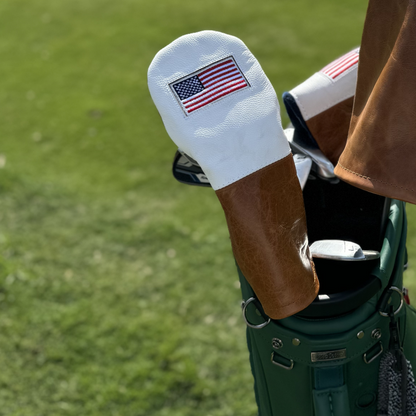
(328, 87)
(218, 105)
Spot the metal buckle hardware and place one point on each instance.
(400, 292)
(373, 358)
(249, 324)
(286, 367)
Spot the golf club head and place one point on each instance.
(303, 165)
(322, 166)
(186, 170)
(342, 251)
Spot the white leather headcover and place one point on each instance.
(233, 135)
(328, 87)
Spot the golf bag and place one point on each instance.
(349, 348)
(326, 359)
(351, 351)
(332, 358)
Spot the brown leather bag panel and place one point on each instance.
(266, 219)
(330, 129)
(381, 148)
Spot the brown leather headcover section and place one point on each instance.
(380, 153)
(330, 129)
(266, 219)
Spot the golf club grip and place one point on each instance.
(266, 218)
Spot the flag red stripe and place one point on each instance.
(343, 69)
(214, 92)
(348, 59)
(338, 61)
(216, 66)
(340, 64)
(352, 61)
(209, 89)
(213, 99)
(215, 73)
(218, 77)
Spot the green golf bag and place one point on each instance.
(325, 361)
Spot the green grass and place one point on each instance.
(118, 291)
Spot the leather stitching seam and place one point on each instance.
(376, 180)
(331, 404)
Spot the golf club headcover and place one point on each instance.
(219, 107)
(379, 156)
(321, 106)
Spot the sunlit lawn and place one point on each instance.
(118, 291)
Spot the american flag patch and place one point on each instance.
(209, 84)
(341, 65)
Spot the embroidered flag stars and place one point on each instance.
(209, 84)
